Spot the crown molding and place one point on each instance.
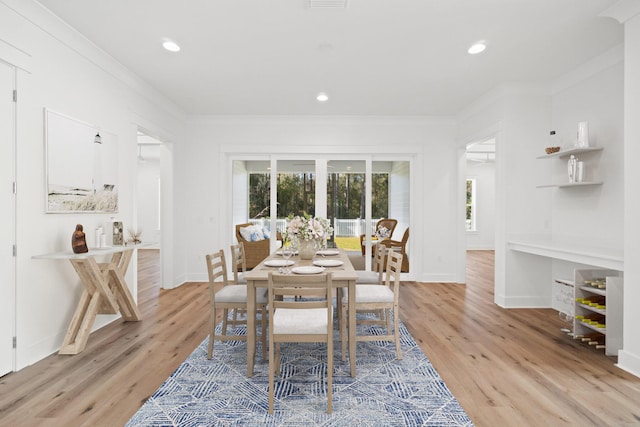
(622, 11)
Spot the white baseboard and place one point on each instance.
(629, 362)
(522, 302)
(438, 278)
(481, 247)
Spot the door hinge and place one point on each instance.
(15, 95)
(15, 188)
(15, 342)
(15, 250)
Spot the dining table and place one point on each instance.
(335, 261)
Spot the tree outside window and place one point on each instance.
(471, 205)
(296, 193)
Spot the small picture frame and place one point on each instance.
(118, 236)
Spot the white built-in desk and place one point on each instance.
(569, 251)
(105, 291)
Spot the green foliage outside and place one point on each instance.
(296, 193)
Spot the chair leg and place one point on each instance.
(225, 314)
(277, 358)
(396, 332)
(343, 330)
(387, 315)
(264, 332)
(330, 374)
(234, 319)
(212, 334)
(271, 375)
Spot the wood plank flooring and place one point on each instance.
(506, 367)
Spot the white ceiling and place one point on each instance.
(375, 57)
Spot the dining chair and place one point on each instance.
(239, 266)
(230, 297)
(377, 268)
(238, 263)
(306, 320)
(372, 297)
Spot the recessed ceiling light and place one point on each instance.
(477, 47)
(322, 97)
(170, 45)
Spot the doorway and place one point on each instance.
(479, 201)
(480, 195)
(149, 214)
(352, 193)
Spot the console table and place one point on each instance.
(105, 291)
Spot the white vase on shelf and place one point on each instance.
(583, 135)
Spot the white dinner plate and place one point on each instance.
(278, 262)
(328, 252)
(328, 262)
(307, 270)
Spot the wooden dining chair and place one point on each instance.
(306, 320)
(230, 297)
(238, 263)
(377, 268)
(374, 297)
(239, 266)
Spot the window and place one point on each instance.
(471, 205)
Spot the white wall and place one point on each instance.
(628, 12)
(62, 71)
(485, 175)
(593, 93)
(429, 142)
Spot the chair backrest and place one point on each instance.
(392, 274)
(378, 261)
(388, 223)
(316, 290)
(238, 260)
(217, 270)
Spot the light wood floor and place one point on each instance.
(506, 367)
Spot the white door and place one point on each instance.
(7, 216)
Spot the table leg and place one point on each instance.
(127, 304)
(75, 340)
(251, 326)
(105, 292)
(352, 327)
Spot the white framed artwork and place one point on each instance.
(81, 166)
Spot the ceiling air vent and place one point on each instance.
(327, 4)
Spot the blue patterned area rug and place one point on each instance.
(386, 391)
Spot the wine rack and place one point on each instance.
(598, 309)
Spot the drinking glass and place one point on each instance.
(287, 251)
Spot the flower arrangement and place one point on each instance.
(307, 228)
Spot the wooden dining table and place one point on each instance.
(344, 276)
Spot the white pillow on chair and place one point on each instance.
(253, 233)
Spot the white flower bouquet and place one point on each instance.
(308, 228)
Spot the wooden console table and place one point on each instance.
(105, 291)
